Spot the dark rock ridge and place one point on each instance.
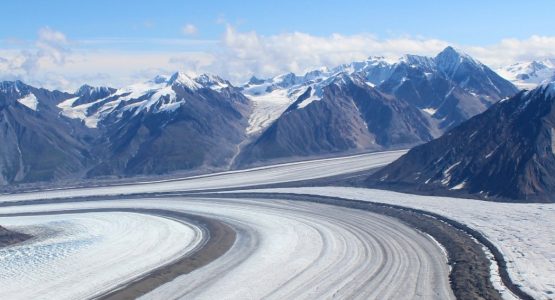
(8, 237)
(506, 152)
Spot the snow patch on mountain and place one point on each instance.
(430, 110)
(71, 111)
(30, 101)
(313, 97)
(267, 106)
(156, 95)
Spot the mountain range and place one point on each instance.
(181, 123)
(529, 74)
(504, 153)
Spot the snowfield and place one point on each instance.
(288, 172)
(330, 247)
(284, 250)
(524, 233)
(77, 256)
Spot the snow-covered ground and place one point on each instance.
(76, 256)
(251, 177)
(524, 233)
(284, 250)
(30, 101)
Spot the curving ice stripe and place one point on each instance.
(288, 172)
(76, 256)
(314, 251)
(523, 232)
(290, 250)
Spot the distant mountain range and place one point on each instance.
(527, 75)
(180, 123)
(504, 153)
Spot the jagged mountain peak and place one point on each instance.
(15, 86)
(158, 79)
(87, 90)
(449, 60)
(451, 52)
(212, 81)
(418, 61)
(255, 81)
(183, 79)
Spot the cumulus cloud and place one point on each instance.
(247, 53)
(51, 47)
(52, 61)
(189, 29)
(508, 51)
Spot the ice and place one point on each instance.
(72, 253)
(524, 233)
(287, 172)
(30, 101)
(267, 107)
(283, 250)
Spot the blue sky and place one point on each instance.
(61, 35)
(470, 22)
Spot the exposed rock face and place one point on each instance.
(505, 152)
(349, 116)
(38, 145)
(202, 132)
(8, 237)
(168, 124)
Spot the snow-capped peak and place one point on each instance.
(342, 79)
(450, 59)
(529, 74)
(255, 81)
(316, 74)
(453, 54)
(160, 79)
(13, 87)
(418, 61)
(285, 80)
(87, 90)
(184, 80)
(212, 81)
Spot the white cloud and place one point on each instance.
(247, 53)
(508, 51)
(55, 62)
(189, 29)
(51, 47)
